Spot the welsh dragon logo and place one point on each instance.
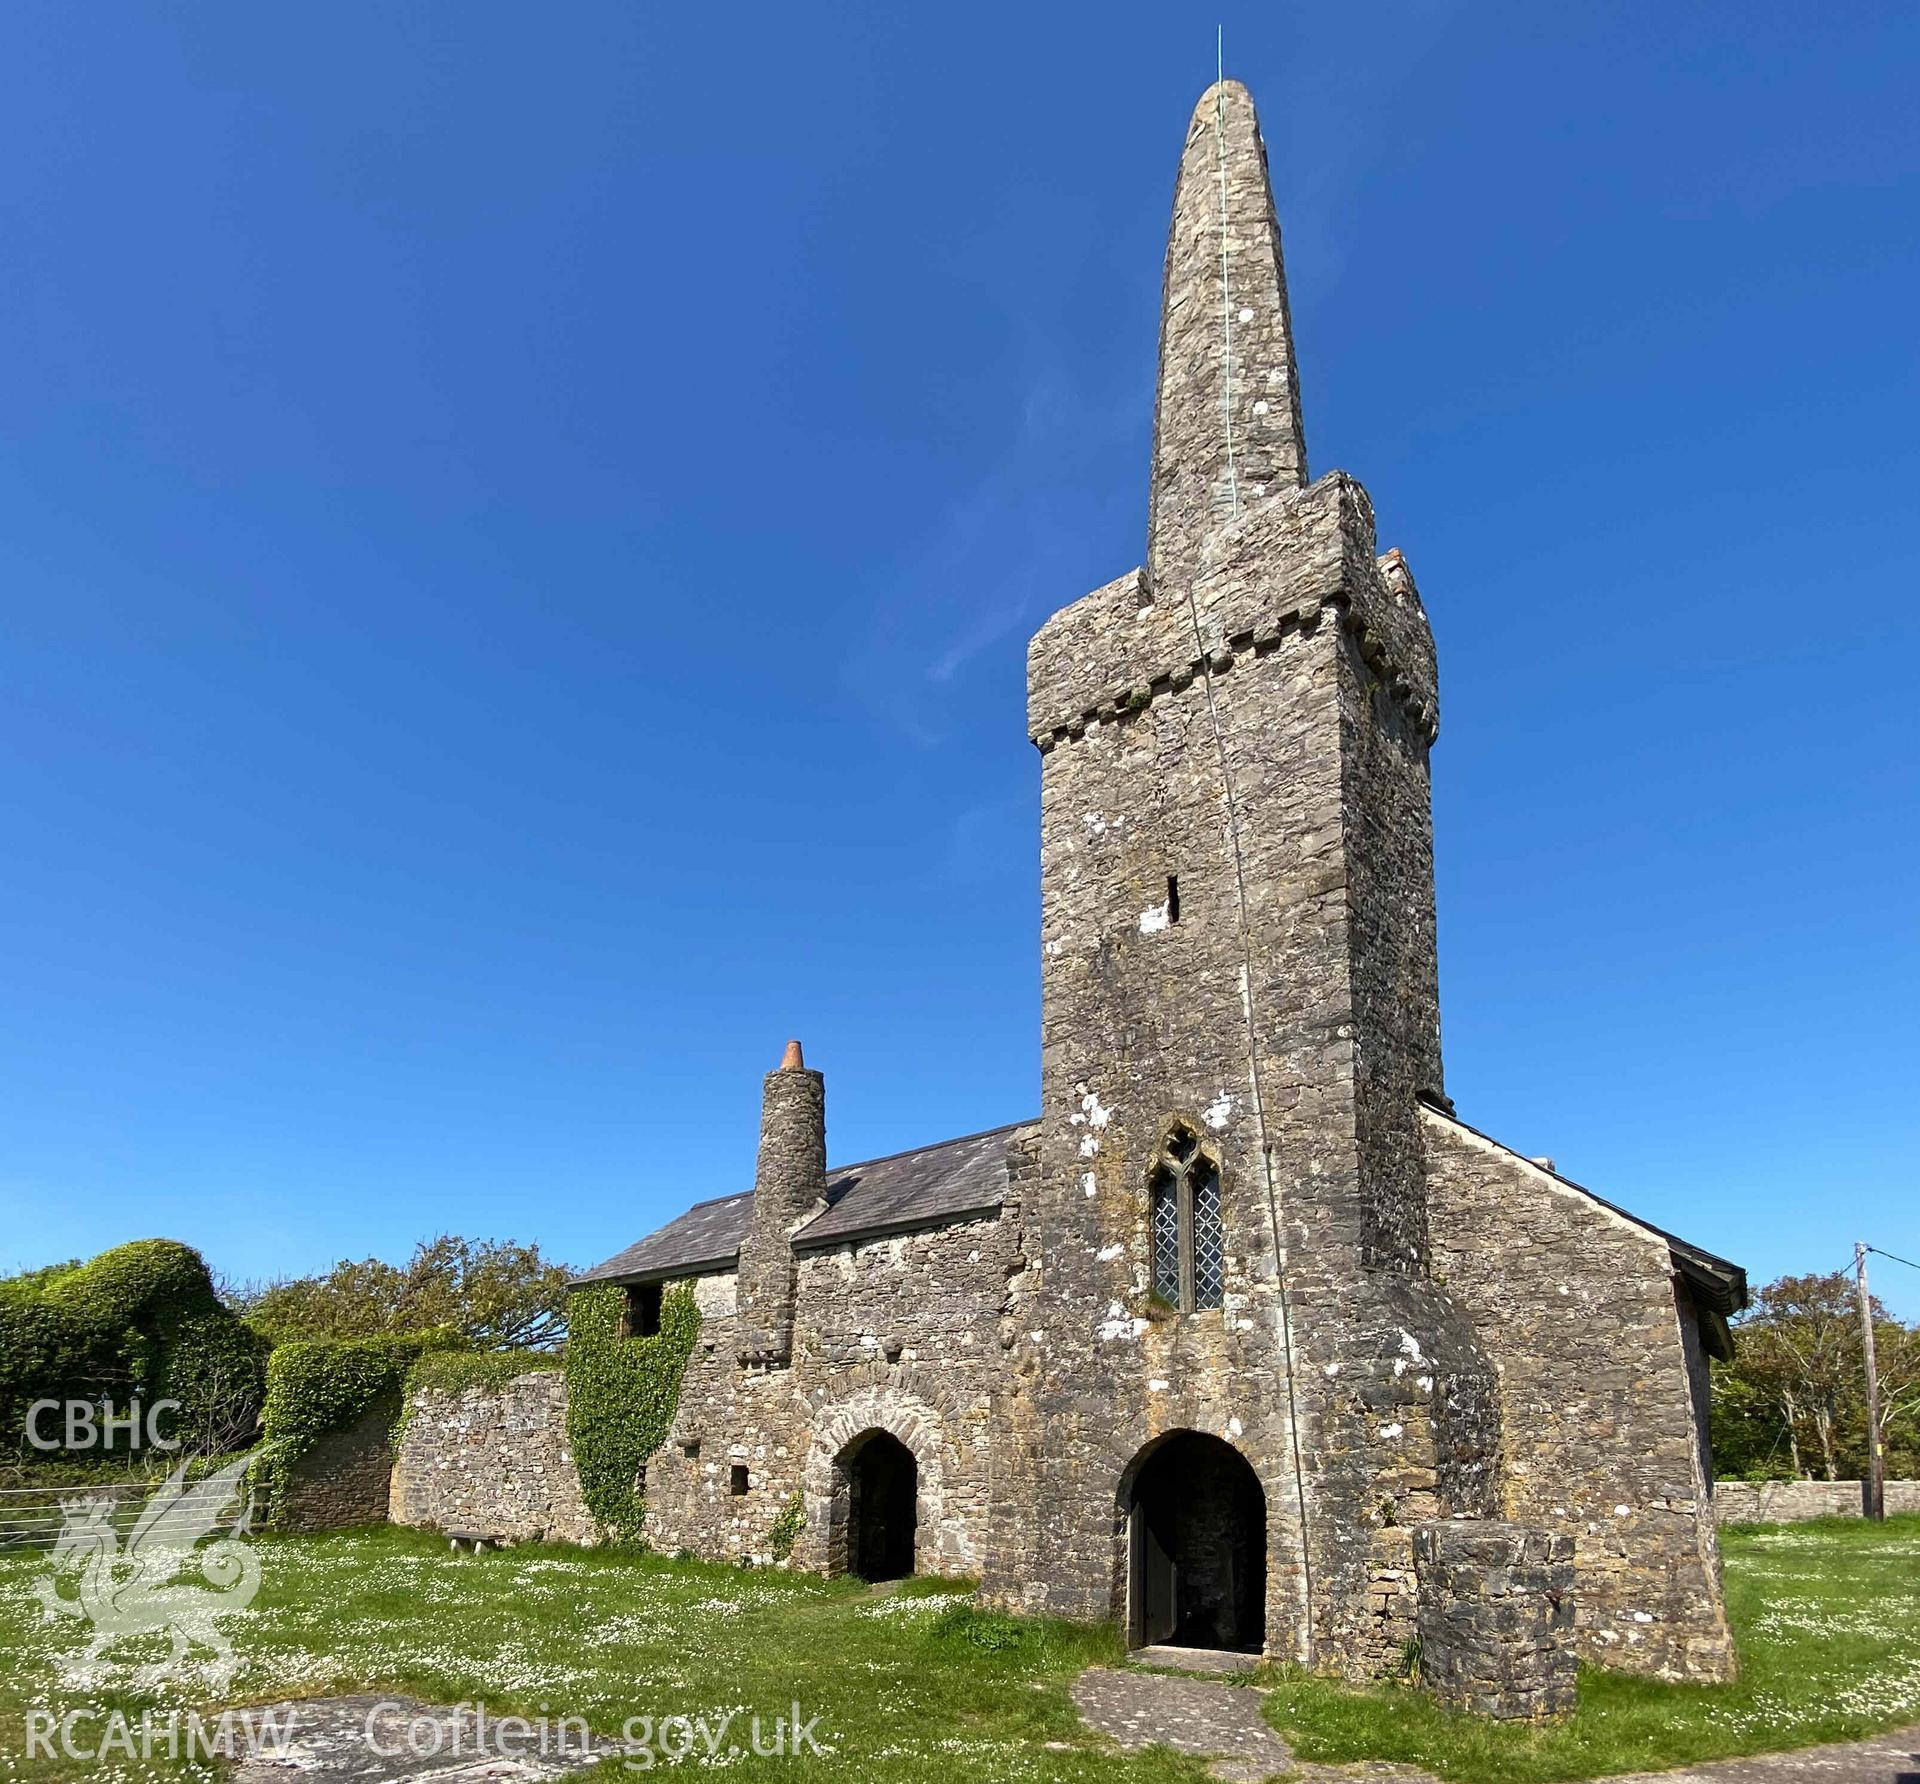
(137, 1590)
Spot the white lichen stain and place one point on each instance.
(1623, 1511)
(1331, 1369)
(1111, 1252)
(1426, 1384)
(1087, 1182)
(1219, 1112)
(1155, 919)
(1158, 1387)
(1117, 1325)
(1235, 1428)
(1411, 1345)
(1392, 1430)
(1097, 1114)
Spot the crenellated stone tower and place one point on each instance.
(1249, 1339)
(1240, 1005)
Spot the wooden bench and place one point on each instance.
(475, 1539)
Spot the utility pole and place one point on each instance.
(1876, 1507)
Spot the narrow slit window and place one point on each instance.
(1173, 898)
(737, 1482)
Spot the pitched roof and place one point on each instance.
(704, 1239)
(1718, 1285)
(929, 1186)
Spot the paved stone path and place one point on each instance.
(394, 1740)
(1224, 1723)
(1140, 1709)
(1886, 1759)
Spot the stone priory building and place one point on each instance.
(1250, 1304)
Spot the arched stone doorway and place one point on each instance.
(877, 1506)
(1196, 1546)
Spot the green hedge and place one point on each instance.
(317, 1385)
(621, 1397)
(454, 1371)
(140, 1322)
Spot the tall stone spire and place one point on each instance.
(1226, 420)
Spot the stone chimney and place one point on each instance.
(789, 1183)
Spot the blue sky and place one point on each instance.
(519, 528)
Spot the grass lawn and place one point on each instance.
(920, 1686)
(1827, 1617)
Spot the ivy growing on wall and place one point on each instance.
(621, 1397)
(326, 1384)
(786, 1528)
(140, 1322)
(455, 1371)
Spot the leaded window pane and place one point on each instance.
(1209, 1244)
(1166, 1237)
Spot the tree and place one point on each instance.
(1793, 1400)
(496, 1295)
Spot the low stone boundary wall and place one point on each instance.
(1795, 1501)
(493, 1459)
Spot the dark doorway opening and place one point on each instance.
(1197, 1548)
(883, 1483)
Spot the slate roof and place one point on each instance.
(929, 1186)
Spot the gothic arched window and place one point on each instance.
(1189, 1249)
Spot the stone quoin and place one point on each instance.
(1227, 1341)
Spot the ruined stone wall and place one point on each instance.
(341, 1482)
(901, 1333)
(1577, 1306)
(493, 1459)
(1797, 1501)
(1260, 743)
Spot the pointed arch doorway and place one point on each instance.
(1196, 1546)
(877, 1491)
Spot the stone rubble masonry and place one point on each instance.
(493, 1459)
(1597, 1350)
(341, 1483)
(904, 1333)
(1796, 1501)
(1496, 1618)
(1251, 717)
(789, 1186)
(1227, 427)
